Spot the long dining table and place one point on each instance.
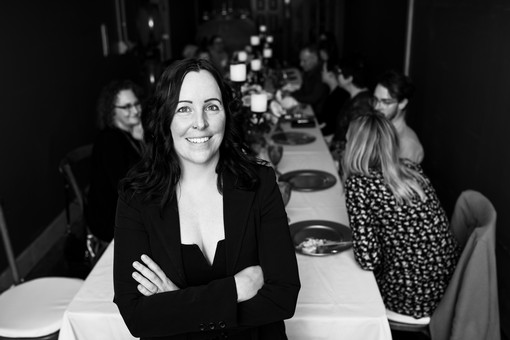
(337, 300)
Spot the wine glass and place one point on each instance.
(275, 154)
(285, 190)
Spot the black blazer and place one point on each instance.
(256, 232)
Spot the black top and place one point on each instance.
(114, 153)
(331, 111)
(199, 272)
(197, 269)
(313, 91)
(356, 106)
(256, 233)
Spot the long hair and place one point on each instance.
(372, 144)
(108, 97)
(159, 171)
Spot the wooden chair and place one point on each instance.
(75, 169)
(33, 309)
(469, 307)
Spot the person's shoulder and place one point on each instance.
(109, 134)
(362, 180)
(136, 200)
(263, 170)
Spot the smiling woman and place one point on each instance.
(199, 122)
(202, 237)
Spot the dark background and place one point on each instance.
(52, 68)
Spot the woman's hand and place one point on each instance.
(248, 282)
(151, 279)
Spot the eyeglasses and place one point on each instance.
(129, 106)
(383, 101)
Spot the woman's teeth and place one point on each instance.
(198, 140)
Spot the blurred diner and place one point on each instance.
(117, 147)
(400, 230)
(312, 90)
(329, 117)
(391, 97)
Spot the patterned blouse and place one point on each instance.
(409, 247)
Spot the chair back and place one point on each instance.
(472, 210)
(8, 248)
(469, 308)
(75, 168)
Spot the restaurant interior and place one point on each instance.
(57, 56)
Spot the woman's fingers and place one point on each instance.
(145, 286)
(151, 277)
(144, 290)
(147, 273)
(153, 266)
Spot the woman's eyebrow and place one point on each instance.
(211, 99)
(185, 101)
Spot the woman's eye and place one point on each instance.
(183, 109)
(213, 107)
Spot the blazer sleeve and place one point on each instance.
(207, 307)
(277, 298)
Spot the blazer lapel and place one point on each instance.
(168, 230)
(236, 209)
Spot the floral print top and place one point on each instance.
(410, 248)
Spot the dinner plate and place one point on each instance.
(293, 138)
(314, 230)
(308, 180)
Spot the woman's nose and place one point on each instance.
(200, 121)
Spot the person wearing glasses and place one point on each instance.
(202, 242)
(117, 148)
(391, 97)
(400, 230)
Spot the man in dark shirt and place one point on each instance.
(312, 91)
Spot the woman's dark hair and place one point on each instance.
(398, 85)
(108, 97)
(159, 171)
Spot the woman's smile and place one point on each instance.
(198, 140)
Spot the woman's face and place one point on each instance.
(198, 125)
(127, 110)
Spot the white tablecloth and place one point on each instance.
(338, 300)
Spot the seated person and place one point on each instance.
(391, 97)
(352, 78)
(336, 98)
(400, 230)
(327, 46)
(218, 53)
(117, 148)
(312, 91)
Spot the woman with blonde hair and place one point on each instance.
(400, 230)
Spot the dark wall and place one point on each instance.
(375, 31)
(460, 64)
(50, 55)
